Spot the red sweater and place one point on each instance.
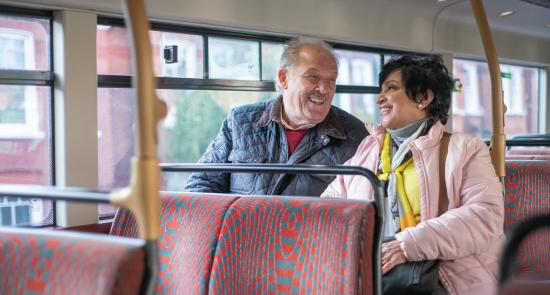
(294, 137)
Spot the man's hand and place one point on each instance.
(392, 256)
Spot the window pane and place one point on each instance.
(271, 56)
(233, 59)
(189, 54)
(114, 53)
(363, 106)
(25, 150)
(194, 118)
(472, 103)
(358, 68)
(24, 43)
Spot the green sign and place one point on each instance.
(506, 75)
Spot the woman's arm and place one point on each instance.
(474, 225)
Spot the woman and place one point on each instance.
(404, 150)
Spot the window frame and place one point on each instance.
(34, 78)
(206, 83)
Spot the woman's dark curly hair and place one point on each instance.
(420, 75)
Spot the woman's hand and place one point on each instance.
(392, 256)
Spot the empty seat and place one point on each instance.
(53, 262)
(528, 194)
(190, 226)
(295, 246)
(510, 285)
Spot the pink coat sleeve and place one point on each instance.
(336, 189)
(475, 224)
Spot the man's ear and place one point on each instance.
(282, 74)
(427, 99)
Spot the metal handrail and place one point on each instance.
(72, 194)
(536, 141)
(498, 138)
(378, 189)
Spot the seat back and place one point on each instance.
(527, 186)
(53, 262)
(509, 285)
(529, 151)
(190, 226)
(528, 157)
(295, 245)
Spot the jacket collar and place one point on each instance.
(429, 140)
(331, 126)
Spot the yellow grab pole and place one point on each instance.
(142, 196)
(498, 139)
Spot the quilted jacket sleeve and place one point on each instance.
(474, 225)
(217, 152)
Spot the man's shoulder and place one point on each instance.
(252, 107)
(250, 111)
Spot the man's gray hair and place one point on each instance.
(290, 53)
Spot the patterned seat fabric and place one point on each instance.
(528, 157)
(190, 226)
(53, 262)
(528, 194)
(531, 151)
(295, 245)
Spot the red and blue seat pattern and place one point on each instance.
(190, 227)
(294, 246)
(53, 262)
(219, 244)
(528, 194)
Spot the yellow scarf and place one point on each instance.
(407, 185)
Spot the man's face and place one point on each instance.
(308, 86)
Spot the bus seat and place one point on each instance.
(53, 262)
(289, 245)
(528, 194)
(530, 151)
(528, 157)
(190, 225)
(508, 283)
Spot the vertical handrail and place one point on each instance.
(498, 139)
(142, 196)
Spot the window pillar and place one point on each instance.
(75, 111)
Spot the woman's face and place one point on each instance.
(397, 109)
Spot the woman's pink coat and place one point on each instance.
(468, 237)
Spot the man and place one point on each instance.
(299, 127)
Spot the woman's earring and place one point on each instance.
(419, 106)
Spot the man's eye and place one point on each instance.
(312, 77)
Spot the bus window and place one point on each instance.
(25, 116)
(472, 104)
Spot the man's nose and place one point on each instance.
(325, 86)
